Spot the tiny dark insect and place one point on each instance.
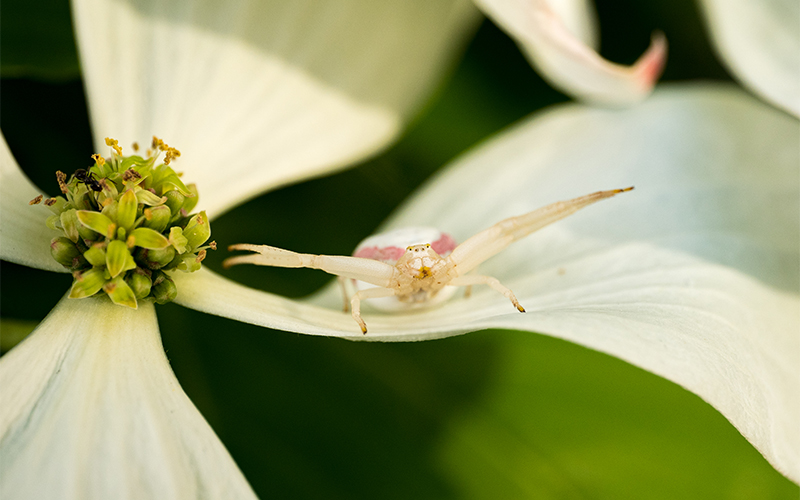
(87, 178)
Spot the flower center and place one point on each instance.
(126, 223)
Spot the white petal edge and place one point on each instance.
(261, 94)
(692, 276)
(569, 63)
(759, 41)
(91, 410)
(24, 237)
(579, 18)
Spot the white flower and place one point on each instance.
(695, 279)
(693, 276)
(258, 95)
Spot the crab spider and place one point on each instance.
(419, 274)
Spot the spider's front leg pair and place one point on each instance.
(421, 271)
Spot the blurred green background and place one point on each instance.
(492, 414)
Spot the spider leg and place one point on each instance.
(476, 279)
(370, 293)
(369, 270)
(343, 287)
(489, 242)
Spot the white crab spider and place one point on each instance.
(420, 274)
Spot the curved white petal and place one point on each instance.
(759, 40)
(91, 409)
(561, 48)
(579, 18)
(257, 94)
(24, 237)
(692, 276)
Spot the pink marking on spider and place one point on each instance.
(444, 245)
(385, 254)
(389, 247)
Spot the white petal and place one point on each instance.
(24, 237)
(692, 276)
(562, 50)
(257, 94)
(759, 40)
(91, 409)
(579, 18)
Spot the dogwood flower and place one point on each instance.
(696, 281)
(273, 92)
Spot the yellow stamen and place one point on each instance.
(114, 144)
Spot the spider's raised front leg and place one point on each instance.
(468, 255)
(475, 279)
(370, 293)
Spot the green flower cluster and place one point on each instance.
(125, 222)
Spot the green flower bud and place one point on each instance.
(53, 222)
(125, 216)
(175, 201)
(140, 282)
(96, 255)
(132, 161)
(120, 293)
(86, 233)
(191, 201)
(157, 258)
(87, 283)
(109, 191)
(198, 230)
(191, 262)
(110, 209)
(97, 222)
(69, 224)
(177, 239)
(118, 258)
(126, 210)
(164, 289)
(147, 238)
(65, 252)
(158, 217)
(148, 198)
(79, 198)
